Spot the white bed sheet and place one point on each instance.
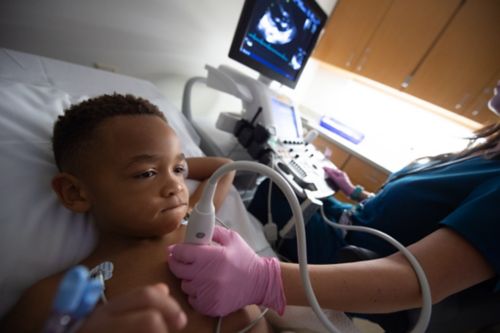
(36, 239)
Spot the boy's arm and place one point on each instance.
(201, 168)
(33, 308)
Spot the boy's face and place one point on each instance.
(135, 177)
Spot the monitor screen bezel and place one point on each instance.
(241, 29)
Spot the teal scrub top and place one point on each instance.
(463, 196)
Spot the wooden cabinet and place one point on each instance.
(464, 60)
(384, 40)
(337, 155)
(349, 30)
(445, 52)
(360, 172)
(365, 174)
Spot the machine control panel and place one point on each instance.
(302, 165)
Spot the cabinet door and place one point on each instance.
(403, 38)
(348, 30)
(360, 171)
(364, 174)
(464, 59)
(479, 110)
(337, 155)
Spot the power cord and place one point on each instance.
(270, 228)
(248, 327)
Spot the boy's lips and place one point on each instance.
(174, 206)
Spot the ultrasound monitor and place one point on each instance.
(276, 37)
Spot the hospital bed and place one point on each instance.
(38, 236)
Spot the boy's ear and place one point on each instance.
(71, 192)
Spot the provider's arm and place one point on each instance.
(389, 284)
(375, 286)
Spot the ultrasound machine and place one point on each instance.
(275, 38)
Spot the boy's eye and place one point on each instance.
(146, 174)
(181, 169)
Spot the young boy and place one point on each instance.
(121, 162)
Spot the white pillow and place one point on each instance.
(38, 236)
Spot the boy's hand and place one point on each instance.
(340, 178)
(148, 309)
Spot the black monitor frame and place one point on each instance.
(242, 28)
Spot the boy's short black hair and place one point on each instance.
(74, 129)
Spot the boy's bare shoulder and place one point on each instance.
(33, 308)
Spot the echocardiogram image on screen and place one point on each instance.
(276, 37)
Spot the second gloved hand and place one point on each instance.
(224, 277)
(340, 178)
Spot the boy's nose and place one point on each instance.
(172, 187)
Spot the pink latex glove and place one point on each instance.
(340, 178)
(223, 277)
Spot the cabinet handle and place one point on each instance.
(406, 81)
(327, 152)
(363, 60)
(462, 101)
(372, 178)
(482, 101)
(348, 63)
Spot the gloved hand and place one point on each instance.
(223, 277)
(340, 178)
